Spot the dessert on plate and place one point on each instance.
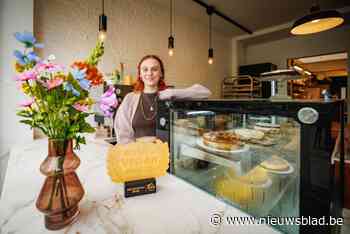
(222, 140)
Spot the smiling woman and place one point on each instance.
(135, 117)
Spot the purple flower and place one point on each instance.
(108, 102)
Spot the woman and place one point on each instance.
(136, 116)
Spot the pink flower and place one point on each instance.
(27, 75)
(80, 107)
(27, 103)
(57, 81)
(48, 66)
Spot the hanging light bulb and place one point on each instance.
(171, 38)
(171, 46)
(210, 56)
(317, 21)
(102, 27)
(210, 10)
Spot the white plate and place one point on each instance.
(242, 149)
(289, 171)
(267, 125)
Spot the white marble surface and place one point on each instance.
(177, 207)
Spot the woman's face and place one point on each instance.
(150, 72)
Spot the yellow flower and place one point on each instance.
(25, 88)
(18, 67)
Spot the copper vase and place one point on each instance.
(62, 190)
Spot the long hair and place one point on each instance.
(139, 85)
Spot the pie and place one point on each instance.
(248, 134)
(222, 140)
(275, 163)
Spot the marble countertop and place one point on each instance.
(177, 207)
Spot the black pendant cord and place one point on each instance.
(225, 17)
(103, 7)
(171, 17)
(210, 31)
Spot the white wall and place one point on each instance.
(15, 15)
(68, 29)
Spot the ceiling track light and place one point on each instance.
(171, 39)
(210, 11)
(102, 26)
(223, 16)
(317, 21)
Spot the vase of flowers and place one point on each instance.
(58, 103)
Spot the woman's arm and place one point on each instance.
(123, 122)
(195, 91)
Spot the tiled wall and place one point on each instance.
(69, 28)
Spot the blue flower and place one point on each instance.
(80, 75)
(25, 59)
(28, 39)
(20, 57)
(33, 57)
(69, 87)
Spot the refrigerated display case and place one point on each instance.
(264, 157)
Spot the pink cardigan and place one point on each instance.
(127, 109)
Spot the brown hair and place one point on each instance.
(139, 85)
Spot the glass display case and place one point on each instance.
(265, 158)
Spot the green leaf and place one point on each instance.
(27, 121)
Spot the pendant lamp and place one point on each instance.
(171, 38)
(210, 10)
(102, 27)
(317, 21)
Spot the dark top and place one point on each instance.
(144, 121)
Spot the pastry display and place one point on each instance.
(275, 163)
(222, 140)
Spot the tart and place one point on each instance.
(222, 140)
(276, 164)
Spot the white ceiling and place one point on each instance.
(253, 14)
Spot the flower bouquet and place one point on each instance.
(58, 103)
